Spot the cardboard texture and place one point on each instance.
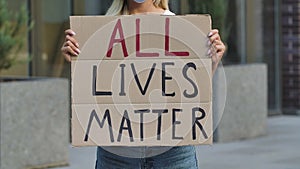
(141, 80)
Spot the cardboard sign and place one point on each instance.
(141, 80)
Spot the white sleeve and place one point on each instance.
(168, 12)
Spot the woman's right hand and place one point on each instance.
(70, 47)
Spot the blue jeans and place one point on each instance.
(183, 157)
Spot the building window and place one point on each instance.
(51, 18)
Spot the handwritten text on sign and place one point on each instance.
(141, 81)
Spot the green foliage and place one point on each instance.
(13, 34)
(218, 10)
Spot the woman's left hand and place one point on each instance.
(217, 48)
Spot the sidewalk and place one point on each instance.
(280, 149)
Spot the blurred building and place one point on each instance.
(290, 42)
(260, 31)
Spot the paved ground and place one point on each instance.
(280, 149)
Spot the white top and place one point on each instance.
(168, 12)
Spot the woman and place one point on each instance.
(172, 158)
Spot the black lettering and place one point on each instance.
(94, 82)
(165, 78)
(196, 120)
(184, 72)
(122, 91)
(143, 91)
(159, 113)
(174, 123)
(142, 121)
(101, 124)
(122, 127)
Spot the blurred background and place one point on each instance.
(263, 33)
(255, 32)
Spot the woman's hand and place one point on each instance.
(70, 47)
(217, 48)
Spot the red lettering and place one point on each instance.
(138, 44)
(114, 40)
(167, 42)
